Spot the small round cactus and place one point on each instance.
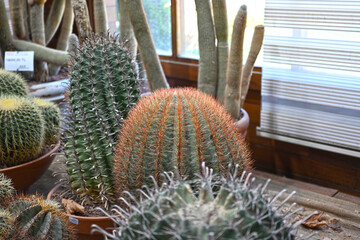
(179, 128)
(32, 217)
(6, 187)
(51, 115)
(12, 83)
(21, 130)
(221, 208)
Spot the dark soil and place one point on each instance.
(65, 191)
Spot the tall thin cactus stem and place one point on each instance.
(154, 71)
(207, 78)
(100, 17)
(235, 65)
(221, 27)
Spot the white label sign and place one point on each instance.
(73, 220)
(19, 61)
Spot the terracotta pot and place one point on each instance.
(243, 124)
(24, 175)
(82, 225)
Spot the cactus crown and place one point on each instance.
(103, 87)
(180, 128)
(12, 83)
(21, 130)
(174, 211)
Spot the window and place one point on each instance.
(174, 27)
(311, 76)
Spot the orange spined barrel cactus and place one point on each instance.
(176, 128)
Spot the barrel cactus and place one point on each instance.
(12, 83)
(103, 87)
(30, 217)
(51, 115)
(223, 208)
(21, 130)
(179, 128)
(6, 187)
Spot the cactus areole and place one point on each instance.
(175, 128)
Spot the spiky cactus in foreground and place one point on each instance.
(21, 130)
(6, 187)
(103, 87)
(12, 84)
(51, 115)
(174, 211)
(176, 128)
(30, 217)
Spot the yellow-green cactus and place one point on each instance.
(12, 83)
(51, 115)
(21, 130)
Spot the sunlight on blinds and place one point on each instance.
(311, 75)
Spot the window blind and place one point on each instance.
(311, 74)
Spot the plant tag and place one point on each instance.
(73, 220)
(19, 61)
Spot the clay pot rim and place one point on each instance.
(52, 151)
(54, 189)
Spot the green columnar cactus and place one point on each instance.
(21, 130)
(12, 83)
(174, 211)
(176, 128)
(103, 87)
(51, 114)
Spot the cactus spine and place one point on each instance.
(12, 83)
(51, 114)
(6, 187)
(175, 128)
(103, 87)
(30, 217)
(21, 130)
(174, 211)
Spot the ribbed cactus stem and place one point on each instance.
(37, 28)
(100, 17)
(207, 78)
(65, 32)
(82, 18)
(103, 87)
(180, 128)
(256, 44)
(17, 18)
(221, 27)
(154, 72)
(5, 34)
(42, 53)
(53, 20)
(235, 65)
(127, 33)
